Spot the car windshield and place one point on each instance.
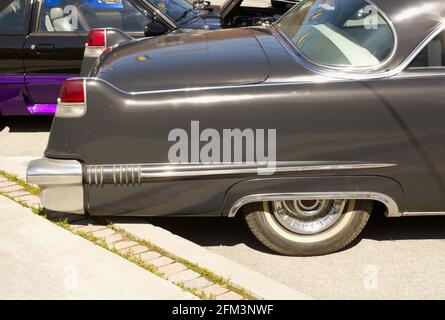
(177, 10)
(339, 33)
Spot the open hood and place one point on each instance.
(228, 6)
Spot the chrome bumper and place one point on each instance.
(60, 183)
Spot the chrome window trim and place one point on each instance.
(391, 205)
(346, 68)
(371, 75)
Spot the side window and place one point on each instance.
(12, 16)
(433, 55)
(84, 15)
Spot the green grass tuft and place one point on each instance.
(12, 177)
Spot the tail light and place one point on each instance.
(97, 43)
(96, 38)
(72, 100)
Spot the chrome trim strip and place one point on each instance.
(391, 205)
(326, 72)
(421, 214)
(60, 182)
(118, 174)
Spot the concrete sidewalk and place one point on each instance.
(39, 260)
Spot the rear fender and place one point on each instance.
(382, 189)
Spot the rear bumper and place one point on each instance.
(60, 183)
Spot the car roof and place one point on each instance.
(413, 21)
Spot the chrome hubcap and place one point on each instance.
(309, 216)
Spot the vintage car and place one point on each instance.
(350, 94)
(42, 42)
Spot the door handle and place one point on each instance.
(43, 48)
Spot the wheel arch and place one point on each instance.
(375, 188)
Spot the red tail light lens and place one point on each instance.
(96, 38)
(73, 91)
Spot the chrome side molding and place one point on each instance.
(118, 174)
(420, 214)
(391, 205)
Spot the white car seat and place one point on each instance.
(59, 21)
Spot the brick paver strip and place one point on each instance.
(6, 183)
(184, 276)
(19, 193)
(229, 296)
(113, 238)
(198, 283)
(81, 223)
(90, 228)
(172, 268)
(103, 233)
(123, 244)
(161, 261)
(150, 255)
(33, 203)
(214, 290)
(134, 250)
(14, 187)
(27, 198)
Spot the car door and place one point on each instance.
(416, 100)
(14, 24)
(55, 47)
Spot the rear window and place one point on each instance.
(339, 33)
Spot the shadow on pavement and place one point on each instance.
(234, 231)
(210, 231)
(26, 123)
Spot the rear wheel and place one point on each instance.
(307, 227)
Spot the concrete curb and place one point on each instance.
(252, 281)
(43, 261)
(15, 165)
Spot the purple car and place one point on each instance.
(42, 44)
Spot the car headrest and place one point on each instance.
(56, 13)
